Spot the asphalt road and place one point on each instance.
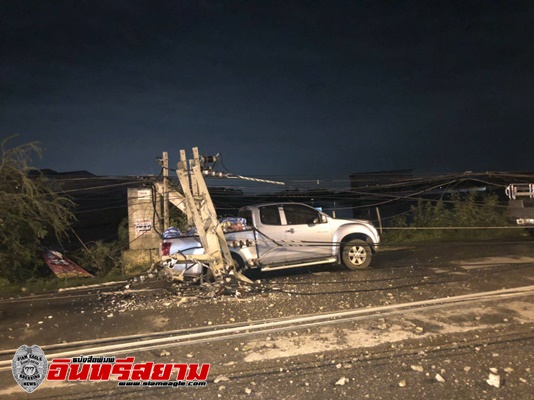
(405, 337)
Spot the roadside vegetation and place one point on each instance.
(34, 214)
(457, 215)
(31, 213)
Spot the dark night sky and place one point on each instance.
(280, 88)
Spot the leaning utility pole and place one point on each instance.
(166, 216)
(196, 203)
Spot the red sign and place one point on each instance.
(62, 266)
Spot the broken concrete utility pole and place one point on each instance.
(166, 217)
(196, 203)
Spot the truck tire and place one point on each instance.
(239, 265)
(356, 254)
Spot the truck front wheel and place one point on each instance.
(356, 254)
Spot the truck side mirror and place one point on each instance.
(321, 219)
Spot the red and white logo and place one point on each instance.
(123, 370)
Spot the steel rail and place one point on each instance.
(201, 335)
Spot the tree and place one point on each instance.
(31, 211)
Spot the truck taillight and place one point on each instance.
(165, 248)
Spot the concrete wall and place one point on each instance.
(144, 222)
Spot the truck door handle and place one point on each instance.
(291, 230)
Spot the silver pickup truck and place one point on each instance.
(284, 235)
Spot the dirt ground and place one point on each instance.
(473, 350)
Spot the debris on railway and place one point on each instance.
(494, 380)
(342, 381)
(229, 284)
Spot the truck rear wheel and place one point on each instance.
(356, 254)
(239, 265)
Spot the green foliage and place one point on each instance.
(100, 258)
(123, 235)
(177, 218)
(397, 235)
(104, 258)
(31, 212)
(461, 211)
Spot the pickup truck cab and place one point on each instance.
(287, 235)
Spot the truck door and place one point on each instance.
(307, 236)
(270, 235)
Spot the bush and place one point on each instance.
(104, 258)
(31, 212)
(99, 258)
(461, 211)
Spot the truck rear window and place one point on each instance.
(269, 215)
(247, 214)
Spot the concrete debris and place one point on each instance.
(508, 370)
(467, 369)
(164, 353)
(417, 368)
(248, 391)
(522, 380)
(342, 381)
(494, 370)
(494, 380)
(221, 378)
(222, 387)
(419, 329)
(402, 383)
(439, 378)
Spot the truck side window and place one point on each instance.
(247, 214)
(269, 215)
(299, 215)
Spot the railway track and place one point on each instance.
(159, 340)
